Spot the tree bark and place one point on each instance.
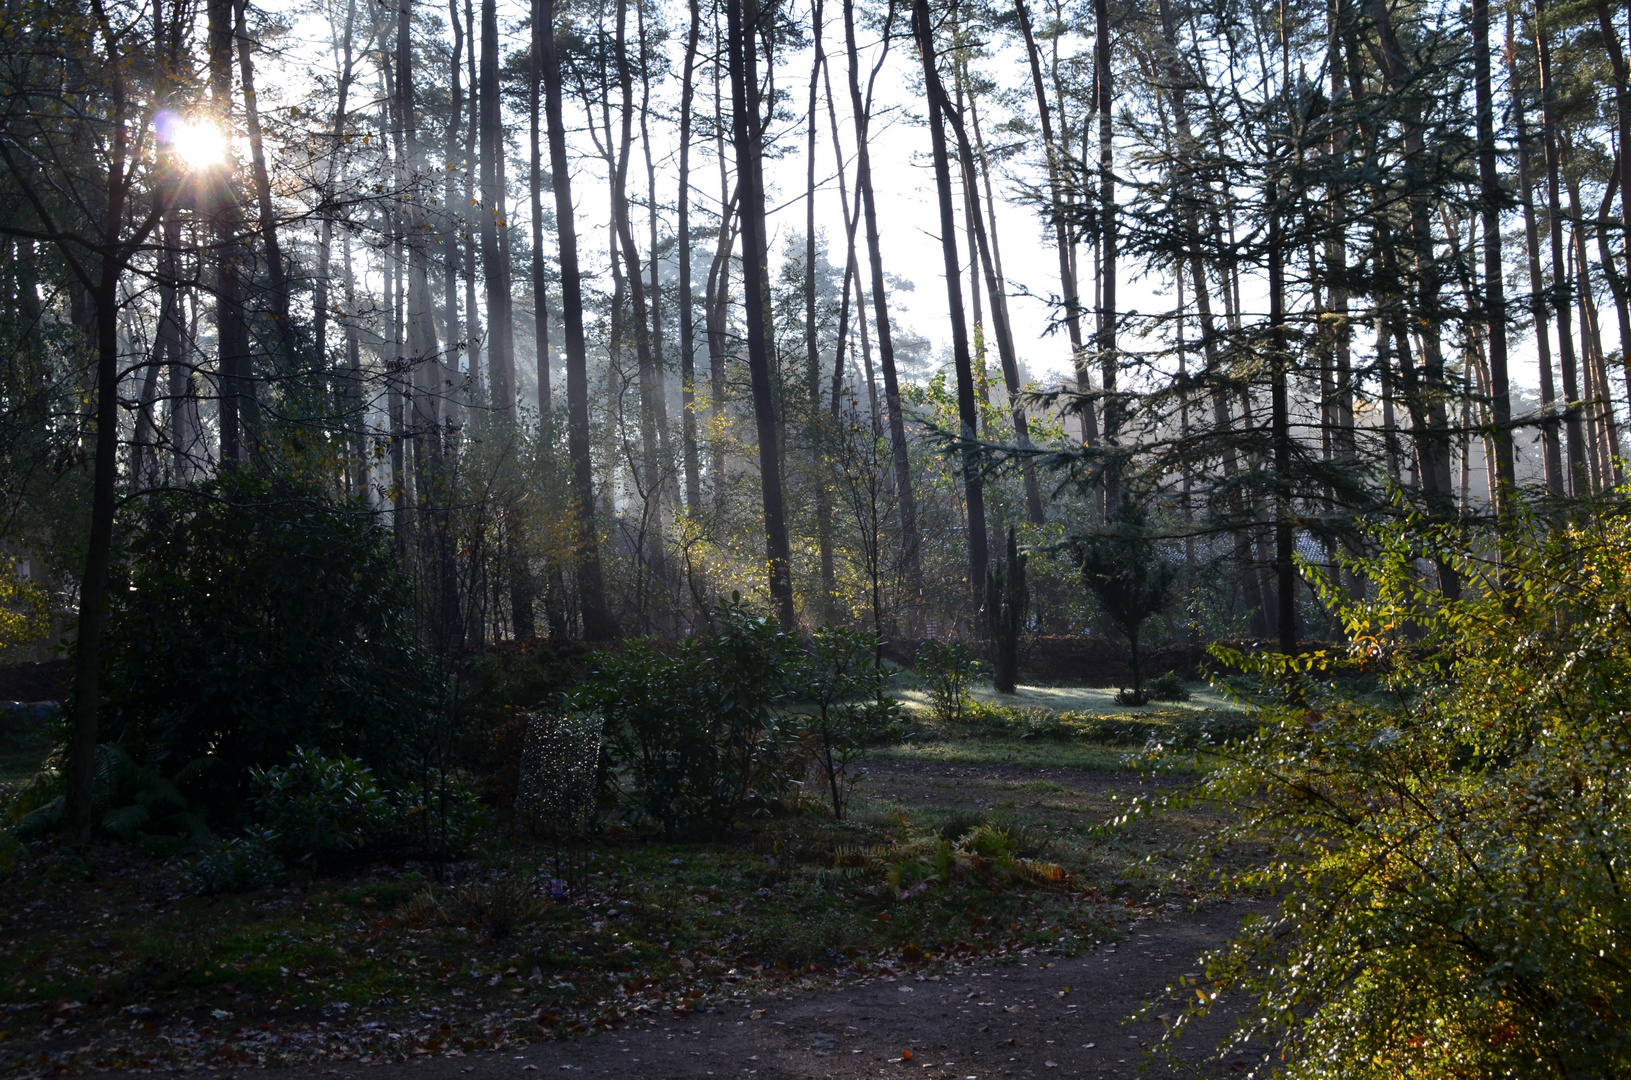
(1622, 168)
(688, 359)
(1109, 360)
(494, 207)
(1494, 306)
(911, 558)
(597, 623)
(535, 186)
(812, 348)
(321, 301)
(1574, 435)
(276, 273)
(652, 456)
(234, 373)
(742, 17)
(472, 251)
(1551, 450)
(1067, 271)
(967, 412)
(1002, 329)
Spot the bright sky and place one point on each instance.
(904, 186)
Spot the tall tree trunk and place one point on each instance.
(1494, 305)
(812, 348)
(1067, 270)
(1280, 427)
(652, 464)
(688, 345)
(1574, 435)
(1601, 422)
(991, 254)
(356, 406)
(911, 558)
(452, 235)
(325, 246)
(1605, 258)
(1550, 448)
(494, 207)
(425, 375)
(275, 271)
(852, 269)
(1222, 417)
(967, 412)
(535, 190)
(1428, 391)
(1001, 327)
(1622, 167)
(235, 388)
(1105, 346)
(747, 129)
(115, 245)
(468, 217)
(597, 623)
(184, 423)
(653, 265)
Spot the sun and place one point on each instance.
(198, 144)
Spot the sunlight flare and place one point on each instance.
(198, 144)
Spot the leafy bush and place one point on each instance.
(694, 723)
(317, 807)
(1168, 687)
(438, 821)
(949, 669)
(1448, 856)
(841, 678)
(25, 608)
(240, 864)
(127, 798)
(255, 616)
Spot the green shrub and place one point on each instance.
(842, 680)
(440, 821)
(694, 724)
(1447, 856)
(948, 669)
(317, 807)
(240, 864)
(253, 616)
(127, 798)
(1167, 687)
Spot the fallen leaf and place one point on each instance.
(906, 1055)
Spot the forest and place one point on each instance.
(683, 509)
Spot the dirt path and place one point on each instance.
(1036, 1018)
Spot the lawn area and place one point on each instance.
(109, 962)
(1081, 699)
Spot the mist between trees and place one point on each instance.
(548, 294)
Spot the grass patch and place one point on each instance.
(1025, 753)
(103, 934)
